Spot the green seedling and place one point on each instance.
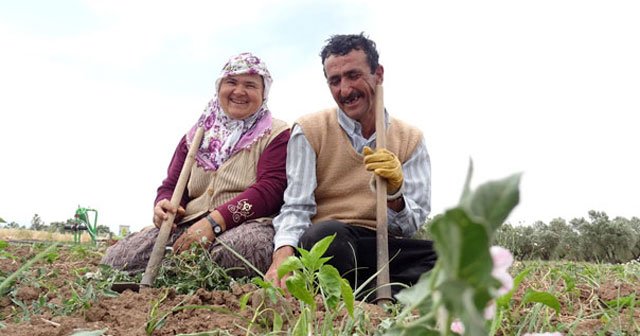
(6, 284)
(310, 277)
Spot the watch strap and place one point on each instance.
(215, 226)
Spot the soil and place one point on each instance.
(49, 284)
(35, 305)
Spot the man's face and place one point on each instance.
(352, 84)
(241, 95)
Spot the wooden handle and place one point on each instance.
(383, 292)
(165, 229)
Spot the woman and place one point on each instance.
(236, 184)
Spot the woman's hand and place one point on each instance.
(195, 234)
(161, 213)
(279, 256)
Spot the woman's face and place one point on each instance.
(241, 95)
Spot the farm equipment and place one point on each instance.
(82, 222)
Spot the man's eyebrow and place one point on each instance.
(352, 72)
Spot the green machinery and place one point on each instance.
(82, 222)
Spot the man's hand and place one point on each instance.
(161, 212)
(279, 256)
(386, 165)
(194, 233)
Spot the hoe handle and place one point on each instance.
(383, 292)
(165, 229)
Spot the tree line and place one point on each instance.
(595, 239)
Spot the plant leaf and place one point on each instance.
(330, 280)
(466, 189)
(289, 265)
(504, 300)
(297, 287)
(418, 295)
(463, 248)
(347, 295)
(312, 260)
(623, 301)
(494, 200)
(545, 298)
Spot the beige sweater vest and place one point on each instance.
(209, 190)
(343, 191)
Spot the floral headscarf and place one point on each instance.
(223, 135)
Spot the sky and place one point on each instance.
(95, 95)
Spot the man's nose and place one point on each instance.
(345, 87)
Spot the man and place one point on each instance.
(329, 173)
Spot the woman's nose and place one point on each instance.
(239, 89)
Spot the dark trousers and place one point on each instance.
(355, 255)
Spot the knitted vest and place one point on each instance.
(208, 190)
(343, 191)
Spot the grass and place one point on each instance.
(594, 299)
(25, 234)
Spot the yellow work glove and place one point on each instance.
(386, 165)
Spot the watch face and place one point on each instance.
(217, 229)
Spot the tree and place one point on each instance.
(103, 230)
(635, 225)
(2, 220)
(517, 239)
(544, 240)
(57, 226)
(568, 240)
(597, 239)
(605, 240)
(13, 225)
(37, 223)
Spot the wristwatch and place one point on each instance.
(217, 229)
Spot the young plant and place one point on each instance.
(155, 320)
(46, 254)
(311, 276)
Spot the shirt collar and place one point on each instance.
(353, 127)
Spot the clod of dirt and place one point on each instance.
(27, 293)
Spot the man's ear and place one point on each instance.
(379, 74)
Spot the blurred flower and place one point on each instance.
(502, 260)
(490, 310)
(457, 327)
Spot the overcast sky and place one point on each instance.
(94, 95)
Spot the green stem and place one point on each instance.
(241, 257)
(4, 286)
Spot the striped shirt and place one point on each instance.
(299, 200)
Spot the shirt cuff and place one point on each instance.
(395, 218)
(285, 239)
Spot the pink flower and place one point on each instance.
(457, 327)
(490, 310)
(502, 260)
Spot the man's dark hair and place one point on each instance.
(341, 45)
